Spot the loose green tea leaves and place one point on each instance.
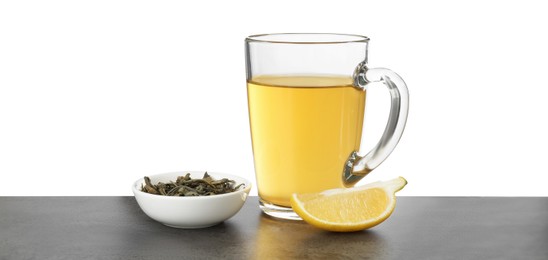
(186, 186)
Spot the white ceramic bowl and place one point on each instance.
(191, 212)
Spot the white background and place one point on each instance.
(96, 94)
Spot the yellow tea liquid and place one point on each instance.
(303, 130)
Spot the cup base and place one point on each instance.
(278, 211)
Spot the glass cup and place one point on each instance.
(306, 97)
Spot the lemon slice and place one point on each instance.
(349, 209)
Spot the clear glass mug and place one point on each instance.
(306, 98)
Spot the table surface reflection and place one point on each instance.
(420, 228)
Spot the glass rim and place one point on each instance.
(299, 38)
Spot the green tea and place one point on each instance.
(303, 130)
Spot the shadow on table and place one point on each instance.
(155, 240)
(296, 239)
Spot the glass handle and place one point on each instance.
(358, 166)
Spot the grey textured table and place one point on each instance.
(420, 228)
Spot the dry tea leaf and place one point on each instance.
(186, 186)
